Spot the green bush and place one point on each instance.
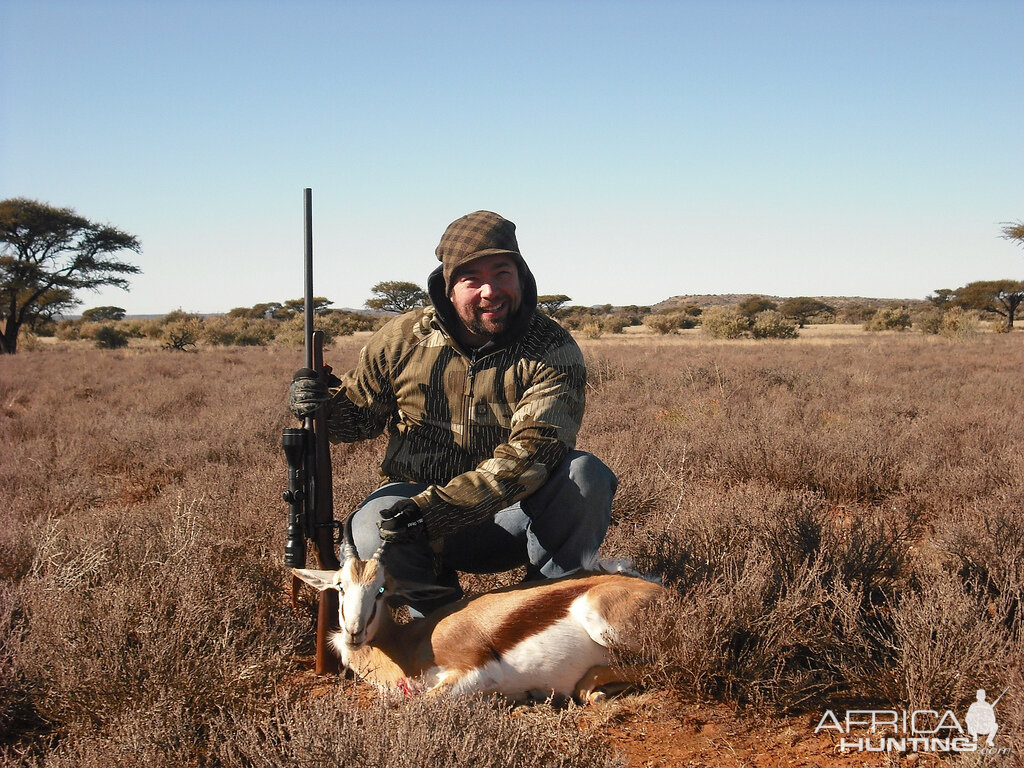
(109, 337)
(771, 324)
(724, 323)
(68, 330)
(660, 323)
(340, 323)
(292, 332)
(181, 331)
(670, 322)
(958, 324)
(928, 321)
(890, 319)
(686, 320)
(236, 331)
(614, 324)
(857, 313)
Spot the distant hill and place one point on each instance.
(729, 299)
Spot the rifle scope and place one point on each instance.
(293, 441)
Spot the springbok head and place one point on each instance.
(362, 587)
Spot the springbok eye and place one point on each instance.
(380, 591)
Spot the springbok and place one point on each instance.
(532, 640)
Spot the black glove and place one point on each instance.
(402, 522)
(306, 393)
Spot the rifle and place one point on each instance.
(1000, 696)
(310, 495)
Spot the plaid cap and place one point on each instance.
(474, 236)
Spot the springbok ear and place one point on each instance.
(416, 592)
(319, 580)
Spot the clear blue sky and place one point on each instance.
(644, 149)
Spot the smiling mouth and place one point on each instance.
(490, 320)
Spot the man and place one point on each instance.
(482, 396)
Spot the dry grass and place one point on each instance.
(838, 516)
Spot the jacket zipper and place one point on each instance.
(467, 410)
(468, 403)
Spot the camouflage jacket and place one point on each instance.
(483, 429)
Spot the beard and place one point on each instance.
(488, 327)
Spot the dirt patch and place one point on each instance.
(656, 730)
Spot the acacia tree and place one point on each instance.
(803, 308)
(396, 296)
(102, 314)
(264, 310)
(298, 306)
(46, 255)
(1002, 297)
(553, 302)
(752, 305)
(1014, 231)
(941, 297)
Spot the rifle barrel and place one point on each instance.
(308, 308)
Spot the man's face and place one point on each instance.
(486, 294)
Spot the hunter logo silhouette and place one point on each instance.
(981, 717)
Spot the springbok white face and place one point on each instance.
(362, 587)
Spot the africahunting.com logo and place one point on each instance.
(919, 730)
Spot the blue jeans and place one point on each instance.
(554, 532)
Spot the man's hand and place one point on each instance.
(306, 393)
(402, 522)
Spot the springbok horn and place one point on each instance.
(348, 546)
(349, 552)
